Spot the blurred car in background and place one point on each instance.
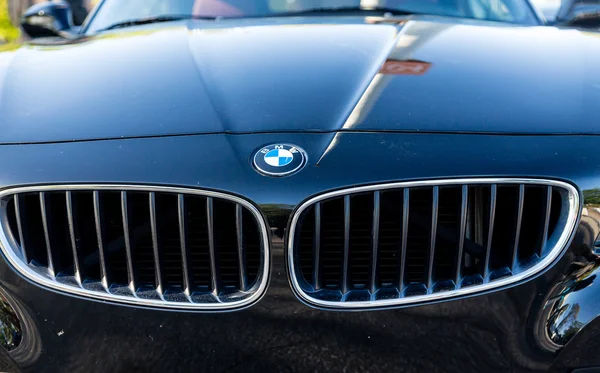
(584, 14)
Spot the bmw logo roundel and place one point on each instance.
(279, 159)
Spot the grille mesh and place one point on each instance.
(157, 246)
(412, 242)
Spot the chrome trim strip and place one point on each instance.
(8, 245)
(568, 224)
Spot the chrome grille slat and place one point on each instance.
(44, 215)
(515, 252)
(434, 227)
(449, 239)
(183, 243)
(491, 224)
(156, 252)
(72, 239)
(239, 227)
(405, 216)
(346, 263)
(127, 240)
(317, 248)
(463, 230)
(211, 247)
(375, 241)
(546, 219)
(133, 244)
(100, 240)
(18, 215)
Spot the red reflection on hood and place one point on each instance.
(409, 67)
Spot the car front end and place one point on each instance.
(381, 193)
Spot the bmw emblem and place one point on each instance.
(279, 159)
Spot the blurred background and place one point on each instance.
(549, 8)
(11, 11)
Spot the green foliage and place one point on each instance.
(8, 31)
(591, 197)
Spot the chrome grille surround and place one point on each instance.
(101, 290)
(552, 247)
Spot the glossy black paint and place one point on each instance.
(302, 74)
(316, 86)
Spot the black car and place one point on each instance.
(377, 186)
(584, 14)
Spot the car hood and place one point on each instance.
(316, 74)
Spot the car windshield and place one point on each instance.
(113, 12)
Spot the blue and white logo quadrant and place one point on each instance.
(279, 160)
(279, 157)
